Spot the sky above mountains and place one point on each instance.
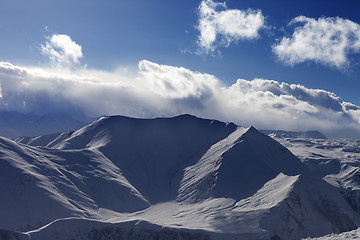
(291, 65)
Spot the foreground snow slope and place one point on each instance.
(177, 178)
(39, 186)
(355, 234)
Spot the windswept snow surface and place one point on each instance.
(355, 234)
(169, 178)
(39, 186)
(48, 141)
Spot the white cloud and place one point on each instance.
(219, 26)
(328, 41)
(62, 51)
(176, 82)
(161, 90)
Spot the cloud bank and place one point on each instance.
(161, 90)
(219, 26)
(328, 41)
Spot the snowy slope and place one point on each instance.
(40, 186)
(48, 141)
(355, 234)
(177, 178)
(335, 160)
(238, 166)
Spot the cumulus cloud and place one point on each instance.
(328, 41)
(161, 90)
(219, 26)
(62, 50)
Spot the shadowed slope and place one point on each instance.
(151, 152)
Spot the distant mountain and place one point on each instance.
(164, 178)
(294, 134)
(15, 124)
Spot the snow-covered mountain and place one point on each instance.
(294, 134)
(337, 161)
(166, 178)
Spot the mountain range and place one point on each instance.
(177, 178)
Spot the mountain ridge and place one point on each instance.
(182, 173)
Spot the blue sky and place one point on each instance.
(117, 35)
(127, 31)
